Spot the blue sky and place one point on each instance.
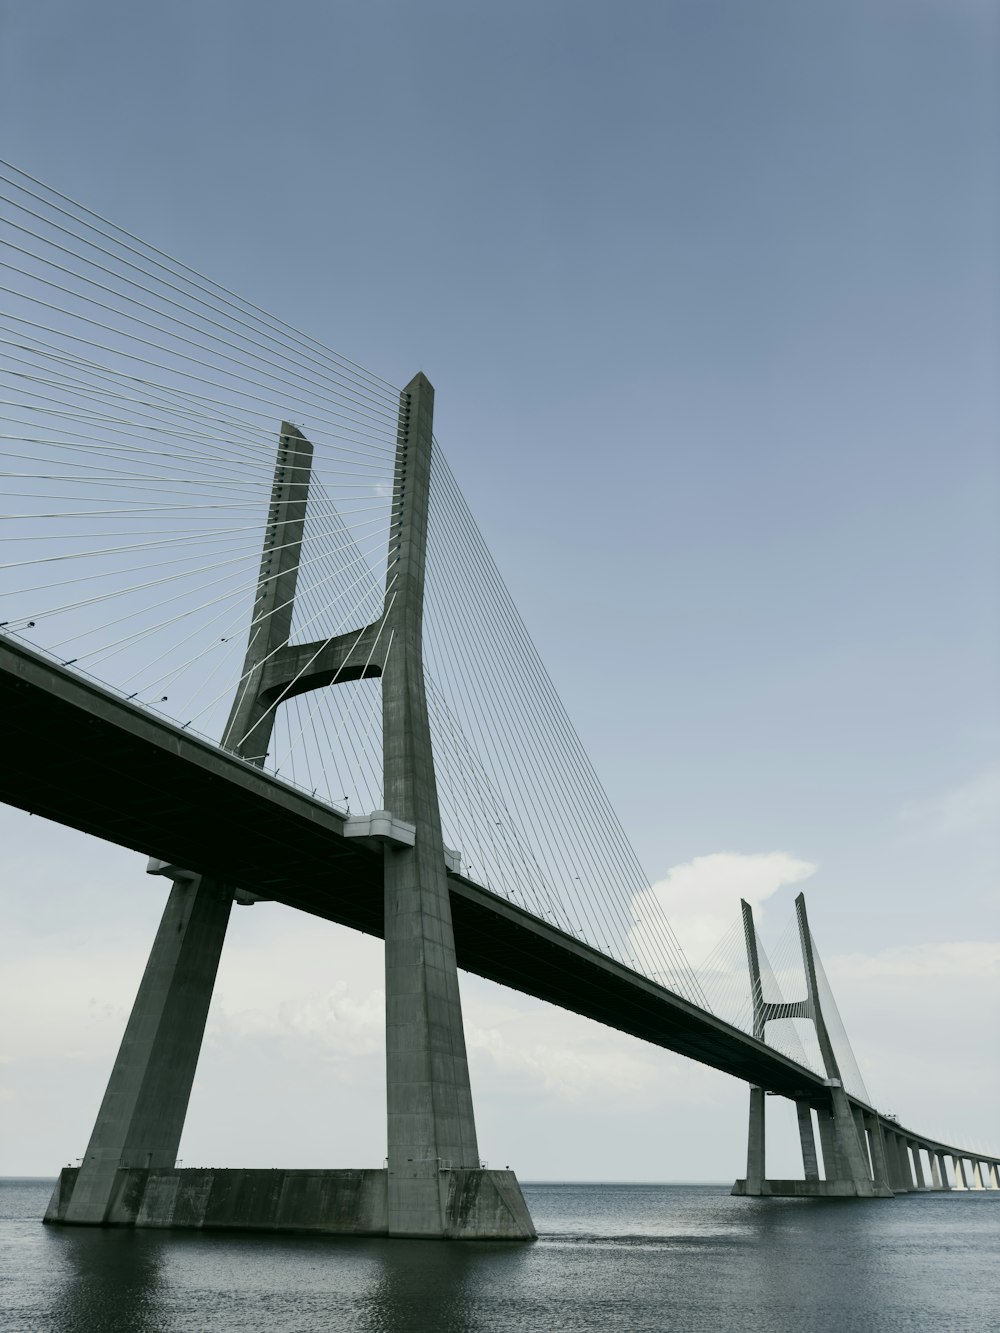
(709, 296)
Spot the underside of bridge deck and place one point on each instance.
(80, 756)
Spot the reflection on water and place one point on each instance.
(106, 1280)
(641, 1259)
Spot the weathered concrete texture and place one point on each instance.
(481, 1205)
(812, 1189)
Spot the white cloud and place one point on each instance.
(701, 898)
(569, 1058)
(973, 805)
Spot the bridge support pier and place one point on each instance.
(918, 1166)
(847, 1169)
(902, 1177)
(755, 1142)
(807, 1140)
(876, 1147)
(938, 1177)
(961, 1180)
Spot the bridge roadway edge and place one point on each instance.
(75, 748)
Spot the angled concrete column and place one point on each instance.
(995, 1171)
(961, 1181)
(977, 1174)
(937, 1176)
(876, 1148)
(918, 1166)
(905, 1163)
(899, 1175)
(431, 1128)
(832, 1169)
(859, 1125)
(807, 1140)
(142, 1114)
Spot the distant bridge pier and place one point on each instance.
(848, 1169)
(906, 1164)
(918, 1166)
(876, 1146)
(939, 1176)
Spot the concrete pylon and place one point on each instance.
(846, 1165)
(851, 1159)
(142, 1115)
(431, 1126)
(756, 1130)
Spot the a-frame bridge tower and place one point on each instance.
(433, 1184)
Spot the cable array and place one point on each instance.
(528, 813)
(140, 409)
(141, 405)
(850, 1074)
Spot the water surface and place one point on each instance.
(642, 1258)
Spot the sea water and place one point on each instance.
(634, 1258)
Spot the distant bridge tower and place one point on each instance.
(847, 1134)
(434, 1184)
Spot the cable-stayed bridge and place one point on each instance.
(246, 605)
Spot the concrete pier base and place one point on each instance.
(475, 1204)
(811, 1189)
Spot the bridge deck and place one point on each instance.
(78, 754)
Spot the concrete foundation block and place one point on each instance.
(474, 1204)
